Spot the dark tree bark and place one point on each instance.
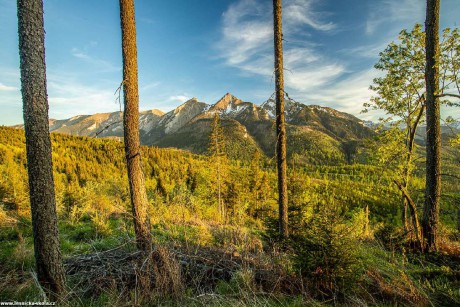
(433, 129)
(280, 121)
(48, 257)
(139, 200)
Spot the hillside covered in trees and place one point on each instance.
(356, 204)
(235, 203)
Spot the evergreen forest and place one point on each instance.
(237, 204)
(347, 245)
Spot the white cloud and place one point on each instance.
(7, 88)
(297, 12)
(67, 96)
(247, 43)
(306, 80)
(180, 98)
(349, 94)
(246, 30)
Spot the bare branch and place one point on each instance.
(450, 175)
(107, 127)
(448, 95)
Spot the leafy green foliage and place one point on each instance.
(325, 202)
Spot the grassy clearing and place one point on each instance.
(226, 265)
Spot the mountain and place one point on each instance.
(316, 134)
(103, 124)
(173, 121)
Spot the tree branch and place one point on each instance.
(448, 95)
(450, 175)
(413, 210)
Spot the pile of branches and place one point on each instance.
(174, 269)
(92, 274)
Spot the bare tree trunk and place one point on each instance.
(48, 257)
(433, 130)
(280, 121)
(139, 200)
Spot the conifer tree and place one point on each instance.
(217, 151)
(48, 259)
(256, 181)
(138, 194)
(433, 129)
(280, 121)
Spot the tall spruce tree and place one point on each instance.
(433, 129)
(139, 201)
(280, 121)
(217, 151)
(48, 257)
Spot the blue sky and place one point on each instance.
(206, 48)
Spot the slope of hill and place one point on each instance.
(315, 133)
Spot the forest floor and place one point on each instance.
(199, 264)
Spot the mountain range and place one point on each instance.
(314, 133)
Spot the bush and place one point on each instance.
(391, 237)
(326, 251)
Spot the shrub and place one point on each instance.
(326, 251)
(391, 237)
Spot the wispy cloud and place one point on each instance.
(180, 98)
(100, 64)
(67, 94)
(392, 13)
(10, 96)
(349, 94)
(306, 81)
(10, 75)
(246, 31)
(7, 88)
(367, 51)
(149, 86)
(297, 12)
(247, 42)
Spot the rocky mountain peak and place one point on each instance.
(175, 119)
(228, 101)
(152, 112)
(187, 126)
(189, 104)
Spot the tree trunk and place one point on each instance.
(280, 121)
(413, 211)
(139, 200)
(219, 193)
(48, 257)
(458, 219)
(407, 169)
(433, 131)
